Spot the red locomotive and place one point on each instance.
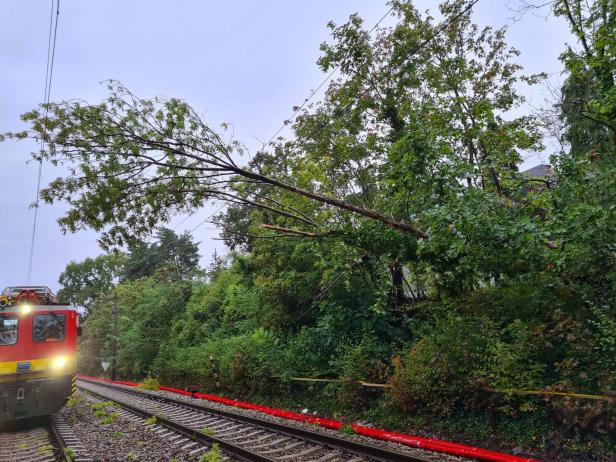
(38, 344)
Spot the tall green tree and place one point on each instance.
(412, 155)
(589, 94)
(133, 163)
(83, 282)
(149, 306)
(179, 252)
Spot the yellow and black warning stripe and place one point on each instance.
(38, 368)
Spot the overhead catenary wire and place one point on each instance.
(412, 53)
(182, 221)
(51, 53)
(206, 219)
(438, 30)
(289, 120)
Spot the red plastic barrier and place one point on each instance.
(430, 444)
(436, 445)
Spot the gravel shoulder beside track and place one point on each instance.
(122, 437)
(429, 455)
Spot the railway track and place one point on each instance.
(197, 427)
(41, 440)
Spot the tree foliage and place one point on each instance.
(589, 96)
(83, 282)
(392, 239)
(169, 249)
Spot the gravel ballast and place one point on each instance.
(428, 455)
(115, 435)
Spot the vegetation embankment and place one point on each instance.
(393, 240)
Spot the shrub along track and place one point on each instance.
(248, 438)
(40, 440)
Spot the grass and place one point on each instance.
(73, 400)
(69, 453)
(151, 420)
(102, 405)
(207, 431)
(150, 383)
(45, 450)
(101, 411)
(213, 455)
(109, 418)
(347, 429)
(131, 455)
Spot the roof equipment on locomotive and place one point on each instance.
(37, 295)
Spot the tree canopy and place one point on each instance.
(178, 252)
(392, 239)
(83, 282)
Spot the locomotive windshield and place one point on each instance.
(49, 328)
(8, 330)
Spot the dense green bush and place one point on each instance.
(368, 362)
(239, 364)
(442, 368)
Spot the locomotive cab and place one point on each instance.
(38, 345)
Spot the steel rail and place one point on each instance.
(36, 440)
(65, 437)
(231, 449)
(64, 456)
(377, 453)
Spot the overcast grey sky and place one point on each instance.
(243, 62)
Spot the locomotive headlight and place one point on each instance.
(25, 309)
(58, 363)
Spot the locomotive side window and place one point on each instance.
(8, 330)
(49, 328)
